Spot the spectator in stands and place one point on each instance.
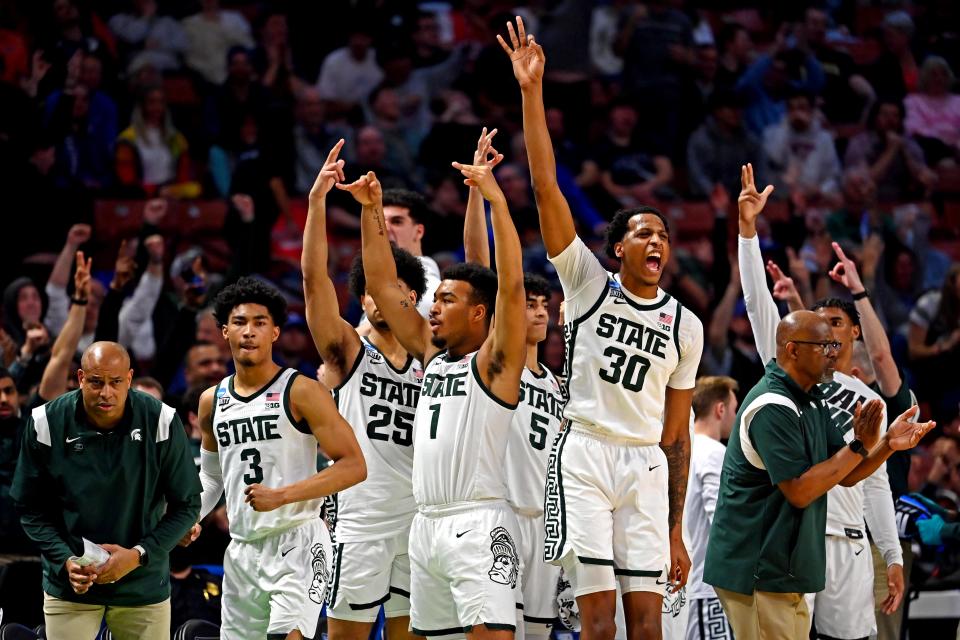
(934, 344)
(772, 78)
(238, 97)
(350, 73)
(32, 357)
(58, 297)
(736, 53)
(847, 95)
(894, 276)
(894, 74)
(84, 141)
(656, 44)
(720, 146)
(146, 37)
(12, 538)
(628, 169)
(73, 29)
(135, 320)
(152, 155)
(22, 304)
(204, 366)
(428, 50)
(149, 386)
(210, 35)
(386, 115)
(933, 113)
(294, 346)
(894, 159)
(370, 154)
(858, 217)
(800, 153)
(312, 138)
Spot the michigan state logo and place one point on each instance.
(318, 585)
(673, 602)
(506, 564)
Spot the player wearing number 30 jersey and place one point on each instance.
(376, 384)
(260, 429)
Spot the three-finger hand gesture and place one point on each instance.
(751, 202)
(486, 154)
(525, 54)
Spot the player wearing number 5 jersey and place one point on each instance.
(260, 428)
(616, 485)
(376, 384)
(463, 554)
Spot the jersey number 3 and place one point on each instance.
(255, 475)
(627, 372)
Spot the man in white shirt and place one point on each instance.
(350, 73)
(714, 409)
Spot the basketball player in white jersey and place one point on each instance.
(845, 608)
(615, 490)
(260, 429)
(376, 384)
(464, 563)
(535, 425)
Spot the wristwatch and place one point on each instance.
(143, 554)
(857, 447)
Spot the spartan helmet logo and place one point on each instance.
(135, 435)
(318, 586)
(506, 564)
(673, 602)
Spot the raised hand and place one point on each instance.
(366, 189)
(244, 205)
(330, 174)
(78, 234)
(904, 433)
(751, 202)
(81, 277)
(866, 422)
(525, 54)
(155, 248)
(485, 153)
(123, 269)
(155, 210)
(845, 271)
(783, 285)
(481, 176)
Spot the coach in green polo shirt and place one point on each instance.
(111, 466)
(766, 545)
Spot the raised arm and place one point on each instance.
(502, 357)
(761, 309)
(476, 244)
(311, 402)
(401, 315)
(56, 287)
(53, 383)
(337, 342)
(878, 346)
(556, 220)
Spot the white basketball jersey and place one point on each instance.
(621, 355)
(845, 504)
(260, 443)
(460, 436)
(534, 428)
(380, 402)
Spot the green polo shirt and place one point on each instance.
(759, 541)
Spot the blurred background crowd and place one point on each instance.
(175, 142)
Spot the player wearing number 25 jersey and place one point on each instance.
(260, 429)
(463, 555)
(376, 384)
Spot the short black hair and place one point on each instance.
(727, 34)
(797, 92)
(5, 373)
(482, 279)
(620, 224)
(723, 97)
(190, 403)
(411, 200)
(409, 269)
(536, 285)
(838, 303)
(249, 290)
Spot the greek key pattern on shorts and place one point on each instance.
(553, 508)
(330, 506)
(711, 620)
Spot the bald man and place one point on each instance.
(767, 542)
(112, 466)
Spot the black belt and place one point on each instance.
(853, 534)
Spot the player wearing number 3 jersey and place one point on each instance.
(614, 498)
(260, 429)
(376, 384)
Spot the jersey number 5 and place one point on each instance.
(631, 376)
(538, 425)
(255, 475)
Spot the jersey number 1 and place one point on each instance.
(631, 376)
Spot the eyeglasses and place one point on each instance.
(825, 347)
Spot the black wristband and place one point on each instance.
(80, 302)
(860, 296)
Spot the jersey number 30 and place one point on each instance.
(628, 372)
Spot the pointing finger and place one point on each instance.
(332, 156)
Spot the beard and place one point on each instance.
(438, 342)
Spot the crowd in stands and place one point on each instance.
(174, 143)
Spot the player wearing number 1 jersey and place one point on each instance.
(376, 384)
(463, 555)
(260, 429)
(618, 476)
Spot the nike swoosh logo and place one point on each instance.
(69, 440)
(283, 554)
(858, 552)
(661, 582)
(619, 301)
(463, 533)
(651, 469)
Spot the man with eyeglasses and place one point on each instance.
(767, 545)
(844, 609)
